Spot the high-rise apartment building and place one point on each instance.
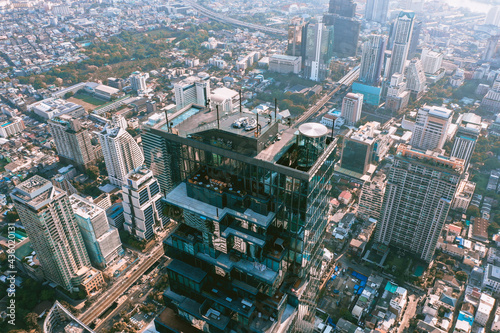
(372, 197)
(431, 61)
(72, 141)
(318, 51)
(352, 104)
(397, 95)
(252, 213)
(192, 90)
(372, 59)
(142, 204)
(47, 215)
(376, 10)
(296, 38)
(138, 81)
(418, 195)
(415, 39)
(121, 153)
(102, 242)
(431, 127)
(415, 78)
(402, 32)
(341, 15)
(466, 137)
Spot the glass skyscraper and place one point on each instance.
(252, 212)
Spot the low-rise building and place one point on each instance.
(52, 107)
(285, 64)
(92, 281)
(11, 127)
(486, 304)
(491, 280)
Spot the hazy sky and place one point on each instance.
(472, 5)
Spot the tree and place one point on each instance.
(93, 172)
(69, 94)
(461, 276)
(12, 216)
(473, 211)
(32, 321)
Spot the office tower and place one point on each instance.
(431, 127)
(138, 81)
(372, 59)
(431, 61)
(351, 108)
(252, 213)
(493, 16)
(415, 38)
(346, 8)
(491, 48)
(121, 153)
(341, 16)
(372, 197)
(142, 204)
(418, 195)
(402, 36)
(318, 51)
(295, 37)
(192, 90)
(357, 153)
(102, 242)
(72, 141)
(415, 78)
(397, 96)
(466, 137)
(376, 10)
(46, 213)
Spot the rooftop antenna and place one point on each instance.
(166, 117)
(218, 121)
(241, 110)
(275, 109)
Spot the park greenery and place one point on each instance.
(127, 52)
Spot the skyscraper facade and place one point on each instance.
(352, 105)
(142, 204)
(252, 214)
(431, 127)
(415, 39)
(296, 39)
(341, 16)
(47, 215)
(72, 141)
(418, 195)
(415, 78)
(372, 59)
(376, 10)
(431, 61)
(102, 242)
(403, 29)
(138, 81)
(318, 51)
(466, 137)
(121, 153)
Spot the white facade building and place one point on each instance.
(431, 61)
(102, 241)
(138, 81)
(491, 278)
(431, 127)
(121, 153)
(351, 108)
(47, 215)
(227, 99)
(192, 90)
(11, 127)
(142, 204)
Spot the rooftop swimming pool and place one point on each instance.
(182, 117)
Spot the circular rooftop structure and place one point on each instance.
(313, 130)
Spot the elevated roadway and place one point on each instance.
(225, 19)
